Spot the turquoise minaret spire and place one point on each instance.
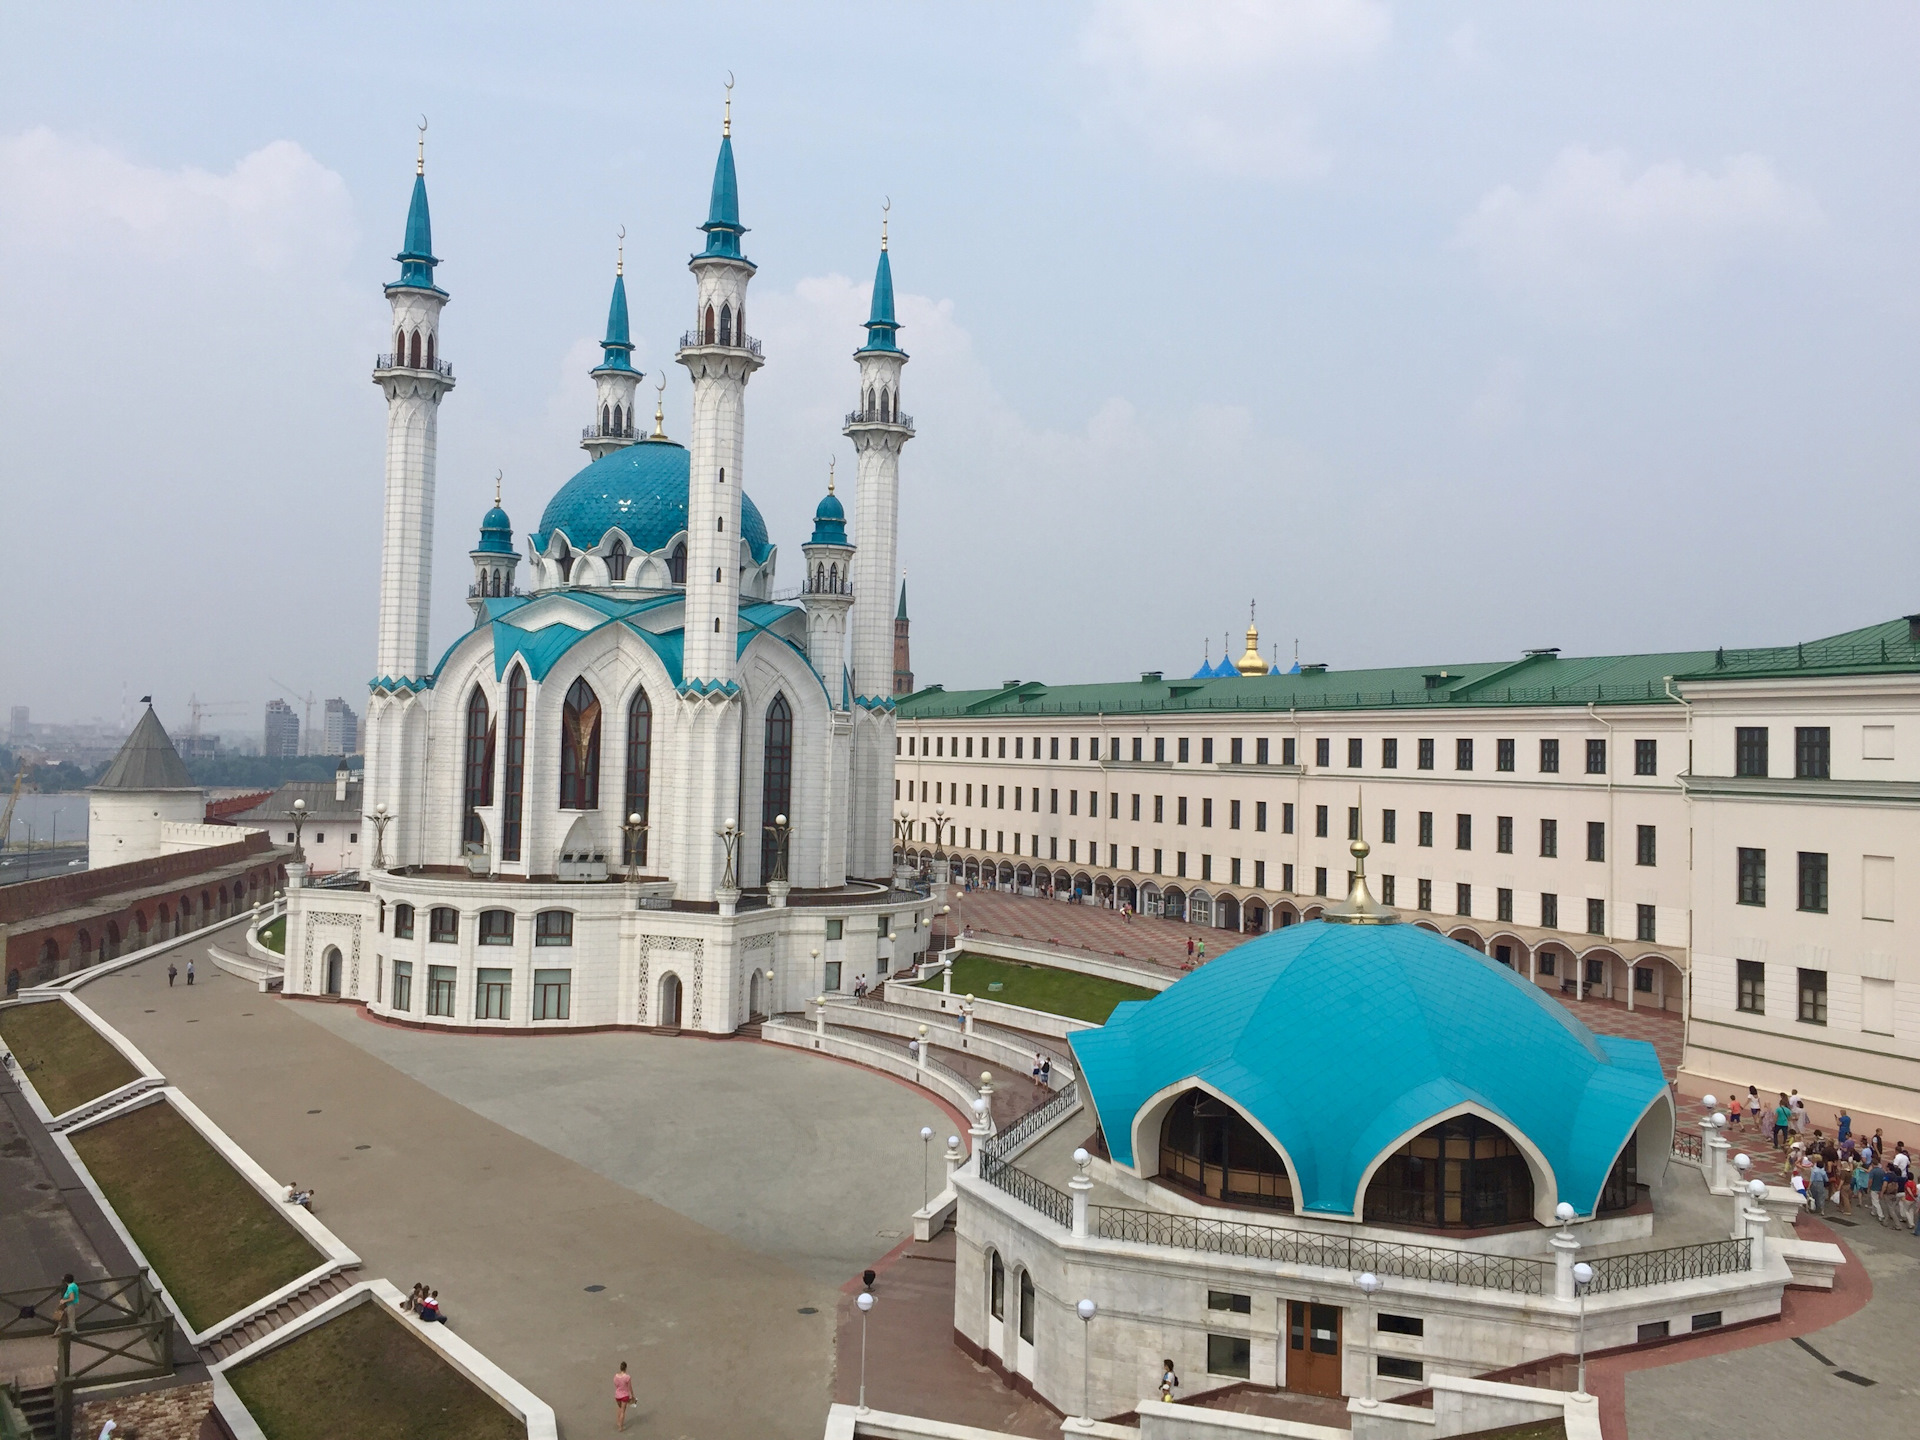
(881, 325)
(723, 225)
(416, 255)
(614, 378)
(617, 347)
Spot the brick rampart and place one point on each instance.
(175, 1413)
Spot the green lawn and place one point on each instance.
(216, 1242)
(1036, 987)
(67, 1060)
(362, 1375)
(273, 935)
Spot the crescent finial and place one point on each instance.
(726, 123)
(420, 161)
(620, 254)
(496, 488)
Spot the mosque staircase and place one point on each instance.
(244, 1334)
(39, 1409)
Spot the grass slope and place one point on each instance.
(363, 1375)
(1057, 992)
(216, 1242)
(66, 1058)
(273, 934)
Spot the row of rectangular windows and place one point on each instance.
(495, 927)
(1646, 753)
(492, 992)
(1811, 993)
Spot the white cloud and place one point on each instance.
(1596, 234)
(1227, 85)
(276, 209)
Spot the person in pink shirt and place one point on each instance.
(622, 1392)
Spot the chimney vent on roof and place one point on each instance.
(1544, 650)
(1009, 684)
(1318, 668)
(1436, 681)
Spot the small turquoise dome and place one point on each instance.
(1342, 1040)
(641, 489)
(829, 522)
(496, 533)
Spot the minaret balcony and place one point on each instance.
(606, 432)
(399, 362)
(879, 417)
(715, 340)
(843, 589)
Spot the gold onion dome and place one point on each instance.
(1251, 663)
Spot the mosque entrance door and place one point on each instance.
(670, 1002)
(333, 970)
(1313, 1348)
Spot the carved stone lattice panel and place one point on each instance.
(329, 917)
(667, 945)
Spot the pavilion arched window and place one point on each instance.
(516, 765)
(617, 562)
(479, 765)
(677, 565)
(580, 749)
(1208, 1146)
(1462, 1174)
(639, 773)
(776, 782)
(726, 324)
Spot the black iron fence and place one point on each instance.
(1516, 1274)
(1662, 1267)
(735, 341)
(880, 417)
(399, 362)
(1033, 1122)
(1687, 1144)
(1029, 1190)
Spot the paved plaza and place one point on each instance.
(714, 1194)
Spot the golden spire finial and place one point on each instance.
(885, 206)
(420, 162)
(726, 123)
(659, 410)
(620, 253)
(496, 489)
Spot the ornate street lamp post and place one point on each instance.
(635, 830)
(729, 835)
(380, 819)
(781, 832)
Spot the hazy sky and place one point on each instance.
(1442, 330)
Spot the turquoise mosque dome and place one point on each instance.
(829, 522)
(1340, 1042)
(496, 533)
(640, 489)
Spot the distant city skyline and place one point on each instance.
(1443, 334)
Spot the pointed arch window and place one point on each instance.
(400, 347)
(430, 339)
(413, 351)
(707, 336)
(1464, 1173)
(479, 763)
(870, 402)
(833, 578)
(580, 749)
(677, 565)
(619, 421)
(606, 419)
(1208, 1146)
(726, 324)
(617, 562)
(516, 766)
(886, 404)
(776, 783)
(639, 773)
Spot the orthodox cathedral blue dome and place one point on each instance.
(641, 489)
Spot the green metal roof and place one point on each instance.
(1537, 679)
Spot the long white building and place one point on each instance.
(1730, 835)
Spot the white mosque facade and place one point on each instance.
(639, 791)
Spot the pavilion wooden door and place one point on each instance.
(1313, 1348)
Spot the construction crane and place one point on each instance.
(198, 711)
(306, 722)
(6, 819)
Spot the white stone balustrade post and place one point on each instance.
(1741, 1164)
(1565, 1248)
(1757, 1222)
(1716, 1154)
(1081, 1188)
(820, 1016)
(953, 1157)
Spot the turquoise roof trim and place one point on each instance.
(617, 347)
(642, 489)
(416, 253)
(723, 225)
(1399, 1026)
(881, 326)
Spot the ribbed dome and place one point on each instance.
(1340, 1040)
(642, 490)
(496, 533)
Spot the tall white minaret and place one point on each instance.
(720, 358)
(614, 378)
(414, 378)
(878, 430)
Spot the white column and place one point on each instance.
(1565, 1249)
(1081, 1188)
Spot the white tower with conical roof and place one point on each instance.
(878, 429)
(614, 378)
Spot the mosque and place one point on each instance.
(640, 790)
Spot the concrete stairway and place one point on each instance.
(241, 1336)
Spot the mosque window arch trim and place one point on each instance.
(708, 331)
(413, 351)
(516, 763)
(1460, 1170)
(430, 349)
(479, 766)
(776, 778)
(726, 323)
(677, 564)
(580, 748)
(617, 559)
(1202, 1142)
(639, 788)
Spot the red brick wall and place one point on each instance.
(173, 1414)
(62, 892)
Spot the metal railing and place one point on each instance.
(880, 417)
(399, 362)
(1687, 1144)
(1512, 1273)
(696, 338)
(1029, 1190)
(1033, 1122)
(1662, 1267)
(606, 432)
